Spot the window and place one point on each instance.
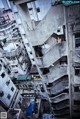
(77, 102)
(7, 82)
(16, 72)
(1, 93)
(30, 52)
(12, 89)
(77, 72)
(45, 70)
(33, 59)
(38, 51)
(63, 60)
(77, 40)
(17, 44)
(38, 9)
(3, 75)
(42, 88)
(58, 30)
(30, 8)
(9, 71)
(77, 89)
(19, 103)
(9, 96)
(20, 98)
(28, 44)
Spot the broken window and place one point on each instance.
(77, 40)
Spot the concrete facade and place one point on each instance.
(53, 46)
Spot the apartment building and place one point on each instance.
(10, 50)
(8, 91)
(14, 62)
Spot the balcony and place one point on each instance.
(52, 55)
(7, 26)
(53, 76)
(66, 89)
(61, 71)
(60, 85)
(62, 112)
(60, 98)
(61, 105)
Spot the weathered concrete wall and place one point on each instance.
(54, 54)
(59, 85)
(47, 26)
(6, 88)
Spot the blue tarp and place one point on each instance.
(30, 109)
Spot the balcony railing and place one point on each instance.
(7, 26)
(52, 55)
(56, 73)
(61, 105)
(59, 90)
(59, 98)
